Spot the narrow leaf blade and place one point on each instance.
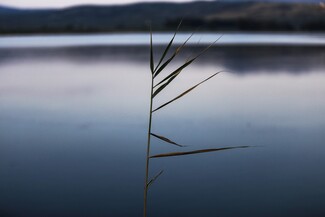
(166, 140)
(176, 72)
(187, 63)
(154, 178)
(164, 65)
(159, 89)
(186, 92)
(172, 154)
(193, 59)
(208, 47)
(167, 48)
(157, 72)
(151, 53)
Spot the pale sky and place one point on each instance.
(65, 3)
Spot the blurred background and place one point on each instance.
(74, 102)
(223, 15)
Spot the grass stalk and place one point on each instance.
(159, 69)
(145, 198)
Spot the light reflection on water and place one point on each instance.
(73, 131)
(118, 39)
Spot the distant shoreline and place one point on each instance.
(160, 32)
(220, 16)
(142, 39)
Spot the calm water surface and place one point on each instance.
(73, 132)
(161, 39)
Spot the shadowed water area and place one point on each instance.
(73, 124)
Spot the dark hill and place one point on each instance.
(210, 16)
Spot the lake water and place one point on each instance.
(73, 124)
(161, 39)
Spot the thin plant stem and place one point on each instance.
(148, 155)
(159, 87)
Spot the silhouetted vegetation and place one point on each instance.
(158, 85)
(210, 16)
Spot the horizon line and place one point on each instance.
(102, 4)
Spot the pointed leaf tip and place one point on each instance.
(154, 178)
(172, 154)
(185, 92)
(151, 53)
(177, 71)
(166, 140)
(155, 72)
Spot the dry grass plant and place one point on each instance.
(156, 88)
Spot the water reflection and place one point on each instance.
(237, 59)
(73, 125)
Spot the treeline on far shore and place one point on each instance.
(207, 16)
